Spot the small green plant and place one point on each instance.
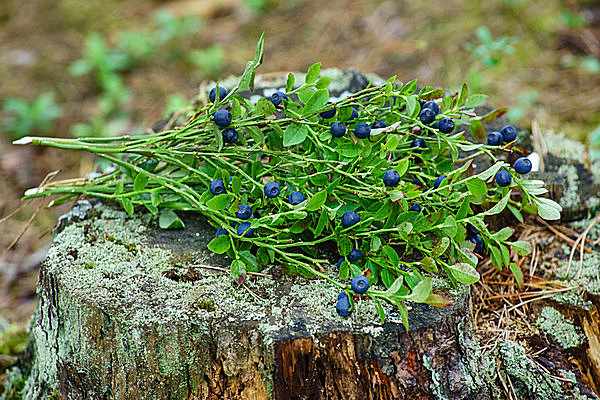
(106, 64)
(24, 118)
(382, 175)
(526, 100)
(489, 51)
(210, 60)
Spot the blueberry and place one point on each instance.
(427, 116)
(295, 198)
(243, 229)
(217, 186)
(355, 254)
(478, 241)
(445, 125)
(416, 182)
(503, 178)
(471, 230)
(230, 135)
(438, 181)
(415, 207)
(391, 178)
(342, 306)
(378, 124)
(522, 165)
(272, 190)
(353, 115)
(277, 97)
(350, 218)
(329, 113)
(432, 105)
(244, 211)
(338, 129)
(362, 130)
(213, 93)
(220, 232)
(495, 139)
(419, 144)
(222, 118)
(360, 284)
(339, 263)
(509, 133)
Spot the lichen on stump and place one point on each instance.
(128, 312)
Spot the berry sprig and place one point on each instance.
(377, 173)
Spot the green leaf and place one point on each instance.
(379, 309)
(169, 220)
(316, 102)
(256, 134)
(496, 257)
(521, 247)
(464, 93)
(421, 292)
(247, 79)
(391, 254)
(321, 223)
(155, 199)
(236, 184)
(313, 73)
(395, 286)
(403, 309)
(477, 187)
(323, 82)
(440, 247)
(464, 273)
(412, 106)
(499, 206)
(494, 115)
(348, 150)
(515, 211)
(264, 107)
(140, 182)
(219, 202)
(475, 100)
(291, 79)
(503, 234)
(429, 265)
(505, 254)
(477, 130)
(402, 166)
(388, 278)
(517, 273)
(391, 142)
(491, 171)
(127, 205)
(375, 243)
(238, 271)
(317, 201)
(220, 244)
(437, 300)
(548, 209)
(304, 95)
(294, 134)
(449, 226)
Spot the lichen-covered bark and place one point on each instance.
(124, 314)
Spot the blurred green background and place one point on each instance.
(80, 68)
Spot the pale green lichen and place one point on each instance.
(561, 329)
(436, 384)
(560, 146)
(570, 197)
(572, 379)
(588, 281)
(526, 376)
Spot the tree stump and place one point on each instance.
(130, 312)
